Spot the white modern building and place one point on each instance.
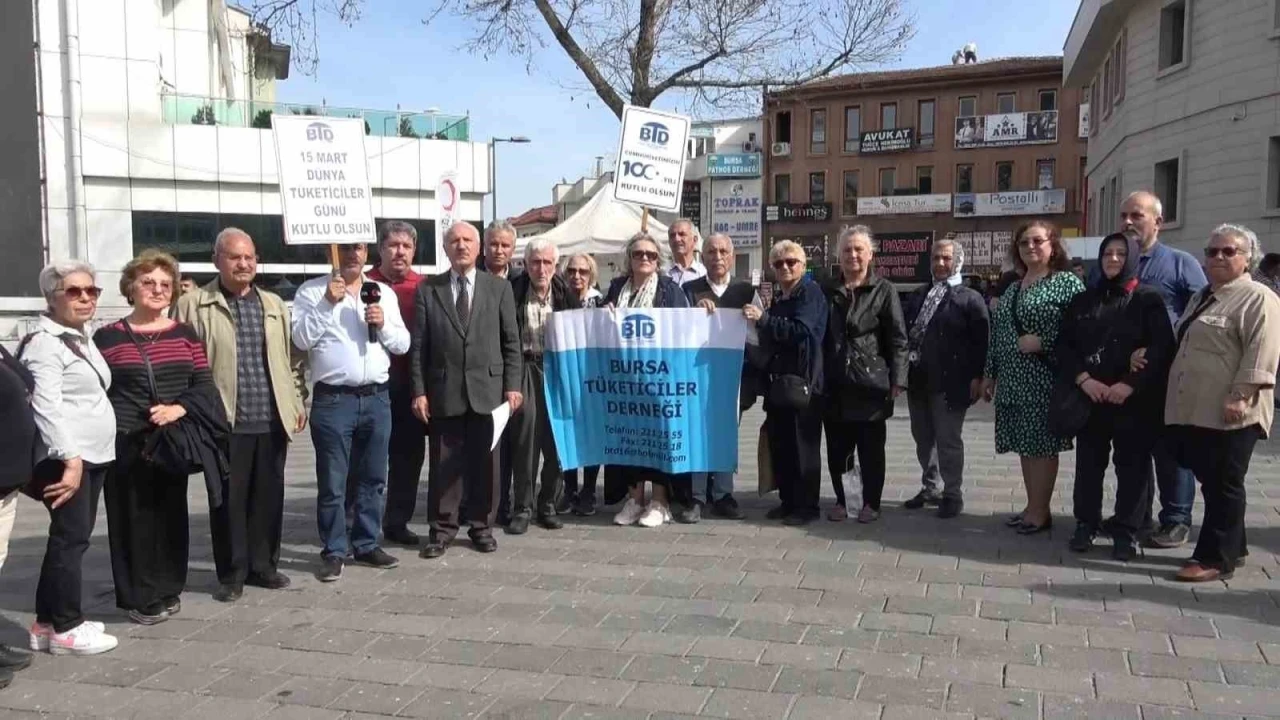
(723, 191)
(146, 123)
(1184, 100)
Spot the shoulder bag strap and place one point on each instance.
(146, 362)
(75, 350)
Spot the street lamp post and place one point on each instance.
(493, 166)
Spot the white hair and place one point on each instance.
(956, 248)
(1150, 198)
(706, 244)
(848, 232)
(498, 226)
(537, 245)
(54, 273)
(787, 246)
(693, 228)
(1245, 238)
(225, 235)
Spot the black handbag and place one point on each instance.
(155, 443)
(865, 369)
(789, 392)
(1069, 409)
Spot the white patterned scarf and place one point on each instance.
(631, 297)
(915, 337)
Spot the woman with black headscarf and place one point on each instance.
(1101, 328)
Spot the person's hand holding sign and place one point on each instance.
(752, 312)
(707, 304)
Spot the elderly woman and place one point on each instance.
(791, 333)
(581, 276)
(155, 362)
(1221, 393)
(77, 437)
(1101, 328)
(644, 286)
(1020, 373)
(865, 351)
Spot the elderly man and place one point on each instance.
(718, 289)
(682, 238)
(246, 332)
(397, 243)
(350, 345)
(465, 362)
(947, 331)
(1177, 276)
(538, 293)
(499, 244)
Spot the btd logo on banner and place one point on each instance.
(638, 327)
(654, 133)
(320, 131)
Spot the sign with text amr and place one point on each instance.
(650, 170)
(324, 180)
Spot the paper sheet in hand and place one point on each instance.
(501, 415)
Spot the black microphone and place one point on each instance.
(370, 294)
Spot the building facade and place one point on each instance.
(972, 149)
(146, 123)
(723, 186)
(535, 221)
(1185, 96)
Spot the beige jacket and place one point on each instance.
(1234, 342)
(206, 310)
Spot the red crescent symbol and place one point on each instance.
(453, 195)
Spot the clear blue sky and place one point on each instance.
(390, 58)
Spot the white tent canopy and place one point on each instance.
(601, 227)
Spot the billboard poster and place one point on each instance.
(1006, 129)
(904, 204)
(691, 202)
(903, 256)
(1005, 204)
(650, 170)
(884, 141)
(735, 211)
(733, 165)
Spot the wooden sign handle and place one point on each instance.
(333, 255)
(644, 219)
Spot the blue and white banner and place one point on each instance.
(650, 388)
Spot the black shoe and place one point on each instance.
(330, 569)
(172, 605)
(566, 504)
(519, 525)
(922, 498)
(484, 544)
(1170, 535)
(1027, 528)
(585, 506)
(433, 550)
(950, 507)
(799, 519)
(152, 614)
(401, 536)
(378, 558)
(273, 581)
(1082, 540)
(550, 522)
(1123, 548)
(689, 515)
(779, 513)
(228, 593)
(727, 508)
(14, 659)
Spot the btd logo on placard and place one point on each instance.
(320, 132)
(638, 327)
(654, 133)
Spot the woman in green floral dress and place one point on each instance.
(1020, 370)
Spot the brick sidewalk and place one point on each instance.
(912, 617)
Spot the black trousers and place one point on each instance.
(1220, 461)
(59, 591)
(461, 464)
(148, 528)
(407, 453)
(590, 475)
(246, 527)
(867, 439)
(531, 438)
(1127, 440)
(795, 442)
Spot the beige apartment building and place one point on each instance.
(973, 149)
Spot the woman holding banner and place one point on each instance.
(791, 334)
(581, 275)
(643, 286)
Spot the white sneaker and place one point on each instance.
(84, 639)
(655, 515)
(629, 513)
(40, 634)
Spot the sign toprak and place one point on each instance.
(324, 180)
(650, 169)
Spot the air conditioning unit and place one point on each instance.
(781, 149)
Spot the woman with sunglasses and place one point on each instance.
(644, 286)
(1221, 393)
(156, 362)
(791, 333)
(1020, 367)
(866, 358)
(77, 428)
(581, 276)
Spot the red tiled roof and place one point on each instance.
(939, 73)
(545, 215)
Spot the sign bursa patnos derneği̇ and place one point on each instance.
(650, 170)
(324, 180)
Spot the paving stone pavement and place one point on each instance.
(912, 617)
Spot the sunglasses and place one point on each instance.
(785, 262)
(76, 292)
(153, 286)
(644, 255)
(1225, 252)
(577, 271)
(1028, 242)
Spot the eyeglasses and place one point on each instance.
(1226, 252)
(76, 292)
(577, 271)
(644, 255)
(153, 286)
(1028, 242)
(785, 262)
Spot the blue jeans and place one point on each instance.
(1177, 486)
(720, 483)
(350, 433)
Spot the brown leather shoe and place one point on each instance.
(1194, 572)
(837, 513)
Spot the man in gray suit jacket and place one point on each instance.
(465, 360)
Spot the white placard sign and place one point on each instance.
(324, 180)
(650, 169)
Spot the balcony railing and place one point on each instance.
(196, 110)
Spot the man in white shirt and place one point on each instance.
(683, 239)
(350, 343)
